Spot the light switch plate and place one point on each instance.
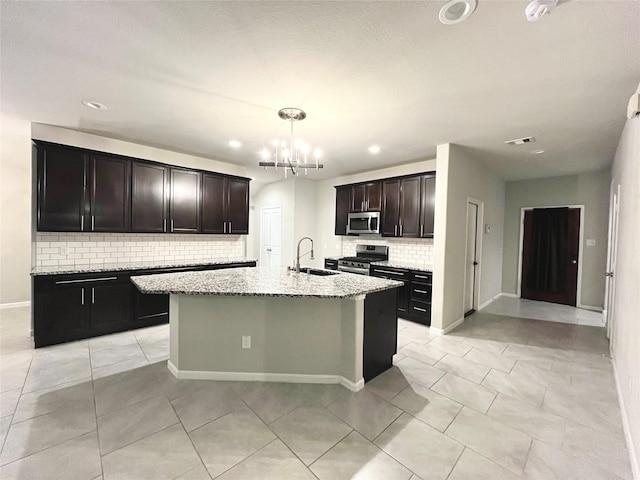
(591, 242)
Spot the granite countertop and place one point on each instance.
(406, 266)
(121, 266)
(262, 282)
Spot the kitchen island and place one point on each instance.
(272, 324)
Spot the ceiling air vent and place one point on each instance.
(521, 141)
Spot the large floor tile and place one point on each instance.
(9, 401)
(273, 461)
(13, 379)
(49, 377)
(77, 459)
(522, 416)
(424, 450)
(130, 389)
(424, 353)
(163, 455)
(608, 452)
(37, 403)
(227, 441)
(356, 458)
(206, 405)
(365, 412)
(490, 359)
(117, 354)
(450, 344)
(473, 466)
(110, 341)
(323, 394)
(503, 445)
(271, 400)
(134, 422)
(388, 384)
(465, 392)
(309, 431)
(486, 345)
(197, 473)
(119, 367)
(514, 386)
(36, 434)
(530, 372)
(550, 463)
(157, 351)
(417, 372)
(463, 368)
(5, 423)
(427, 405)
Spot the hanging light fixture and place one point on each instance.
(292, 155)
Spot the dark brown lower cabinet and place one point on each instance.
(414, 297)
(71, 307)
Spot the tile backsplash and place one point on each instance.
(66, 249)
(416, 252)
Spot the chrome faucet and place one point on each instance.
(298, 252)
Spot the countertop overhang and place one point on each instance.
(262, 282)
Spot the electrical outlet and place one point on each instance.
(246, 341)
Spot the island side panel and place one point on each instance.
(380, 332)
(292, 339)
(351, 344)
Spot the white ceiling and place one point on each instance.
(190, 76)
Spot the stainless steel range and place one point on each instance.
(365, 254)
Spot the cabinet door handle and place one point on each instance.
(422, 276)
(172, 225)
(164, 225)
(395, 230)
(419, 309)
(230, 227)
(224, 227)
(93, 295)
(60, 282)
(82, 295)
(419, 291)
(387, 271)
(421, 230)
(400, 229)
(81, 222)
(93, 222)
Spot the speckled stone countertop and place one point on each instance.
(406, 266)
(115, 267)
(262, 282)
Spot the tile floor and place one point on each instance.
(501, 397)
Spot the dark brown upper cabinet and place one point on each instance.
(149, 192)
(390, 208)
(343, 206)
(428, 205)
(82, 192)
(403, 212)
(61, 185)
(366, 197)
(110, 194)
(184, 206)
(225, 204)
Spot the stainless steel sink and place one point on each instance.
(318, 272)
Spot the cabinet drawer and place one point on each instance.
(421, 292)
(421, 277)
(420, 309)
(389, 272)
(330, 264)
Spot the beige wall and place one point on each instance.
(626, 305)
(590, 189)
(15, 211)
(462, 175)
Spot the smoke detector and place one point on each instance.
(538, 8)
(521, 141)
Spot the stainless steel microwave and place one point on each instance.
(364, 222)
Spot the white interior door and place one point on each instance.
(611, 260)
(270, 236)
(471, 262)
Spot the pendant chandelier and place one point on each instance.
(291, 155)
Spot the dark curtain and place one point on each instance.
(549, 256)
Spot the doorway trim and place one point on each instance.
(612, 251)
(580, 252)
(261, 236)
(479, 234)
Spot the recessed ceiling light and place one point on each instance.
(94, 105)
(456, 11)
(235, 144)
(536, 152)
(374, 149)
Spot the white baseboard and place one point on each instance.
(492, 299)
(635, 466)
(510, 295)
(590, 307)
(444, 331)
(15, 305)
(264, 377)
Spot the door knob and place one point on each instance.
(574, 261)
